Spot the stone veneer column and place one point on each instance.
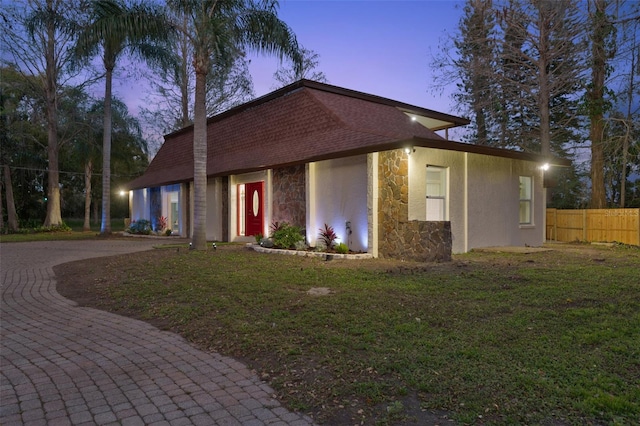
(397, 236)
(289, 199)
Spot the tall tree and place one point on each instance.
(39, 34)
(228, 84)
(215, 30)
(546, 45)
(23, 141)
(308, 70)
(602, 38)
(475, 65)
(116, 28)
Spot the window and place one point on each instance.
(436, 193)
(526, 197)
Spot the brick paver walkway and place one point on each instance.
(61, 364)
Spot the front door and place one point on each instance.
(254, 211)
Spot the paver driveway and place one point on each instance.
(62, 364)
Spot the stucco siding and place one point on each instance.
(139, 204)
(340, 191)
(493, 202)
(455, 203)
(214, 209)
(482, 198)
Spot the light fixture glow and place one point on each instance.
(414, 118)
(545, 166)
(122, 192)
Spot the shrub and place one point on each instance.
(167, 232)
(301, 245)
(328, 236)
(320, 246)
(286, 236)
(142, 226)
(161, 224)
(276, 226)
(342, 248)
(259, 237)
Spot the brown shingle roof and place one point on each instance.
(303, 122)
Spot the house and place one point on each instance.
(374, 169)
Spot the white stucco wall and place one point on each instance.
(139, 204)
(483, 198)
(214, 209)
(340, 195)
(234, 181)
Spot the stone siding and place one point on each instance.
(400, 238)
(289, 199)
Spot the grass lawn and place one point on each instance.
(76, 233)
(490, 338)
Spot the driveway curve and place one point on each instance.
(61, 364)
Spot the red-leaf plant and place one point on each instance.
(328, 236)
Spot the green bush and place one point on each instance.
(286, 236)
(342, 248)
(42, 229)
(142, 226)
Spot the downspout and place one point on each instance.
(466, 202)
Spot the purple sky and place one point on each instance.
(378, 47)
(381, 47)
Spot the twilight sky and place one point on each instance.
(381, 47)
(377, 47)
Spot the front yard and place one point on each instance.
(550, 337)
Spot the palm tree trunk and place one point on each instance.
(105, 227)
(88, 170)
(199, 239)
(12, 216)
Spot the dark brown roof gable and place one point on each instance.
(303, 122)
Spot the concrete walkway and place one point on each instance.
(61, 364)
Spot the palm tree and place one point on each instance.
(138, 29)
(217, 28)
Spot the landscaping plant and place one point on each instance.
(328, 236)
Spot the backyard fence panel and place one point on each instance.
(600, 225)
(570, 225)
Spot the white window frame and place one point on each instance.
(525, 207)
(439, 199)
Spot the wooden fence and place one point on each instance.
(594, 225)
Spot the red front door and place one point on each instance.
(254, 211)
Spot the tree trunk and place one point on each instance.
(184, 78)
(54, 216)
(1, 211)
(543, 74)
(88, 170)
(12, 216)
(199, 239)
(596, 100)
(625, 144)
(105, 227)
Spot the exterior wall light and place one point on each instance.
(545, 166)
(408, 150)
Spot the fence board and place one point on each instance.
(606, 225)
